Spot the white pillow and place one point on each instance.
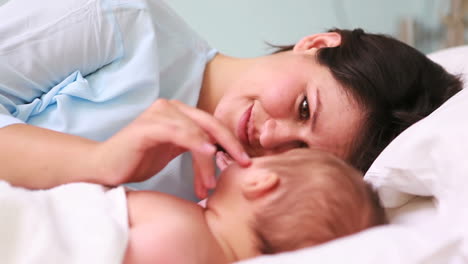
(429, 158)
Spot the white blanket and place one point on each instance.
(75, 223)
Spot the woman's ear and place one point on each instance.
(310, 44)
(259, 185)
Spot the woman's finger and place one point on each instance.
(200, 189)
(206, 169)
(222, 135)
(167, 124)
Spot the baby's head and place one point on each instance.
(297, 199)
(319, 198)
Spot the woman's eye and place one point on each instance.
(304, 112)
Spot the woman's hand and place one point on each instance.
(165, 130)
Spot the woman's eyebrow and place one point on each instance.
(317, 109)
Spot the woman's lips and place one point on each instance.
(242, 127)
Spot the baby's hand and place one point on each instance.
(223, 160)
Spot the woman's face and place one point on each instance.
(287, 101)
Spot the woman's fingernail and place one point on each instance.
(204, 193)
(246, 157)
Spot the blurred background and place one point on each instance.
(241, 27)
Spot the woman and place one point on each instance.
(346, 92)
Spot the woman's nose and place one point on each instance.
(279, 134)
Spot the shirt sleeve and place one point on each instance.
(6, 118)
(44, 42)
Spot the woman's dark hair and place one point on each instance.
(396, 85)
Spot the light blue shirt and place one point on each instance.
(89, 67)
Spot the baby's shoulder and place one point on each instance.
(176, 229)
(184, 236)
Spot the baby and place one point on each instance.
(285, 202)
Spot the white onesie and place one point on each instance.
(74, 223)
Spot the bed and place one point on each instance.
(421, 177)
(422, 181)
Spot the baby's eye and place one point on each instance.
(304, 112)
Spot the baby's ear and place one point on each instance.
(259, 185)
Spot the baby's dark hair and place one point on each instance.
(394, 83)
(329, 201)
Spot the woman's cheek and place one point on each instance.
(225, 113)
(276, 104)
